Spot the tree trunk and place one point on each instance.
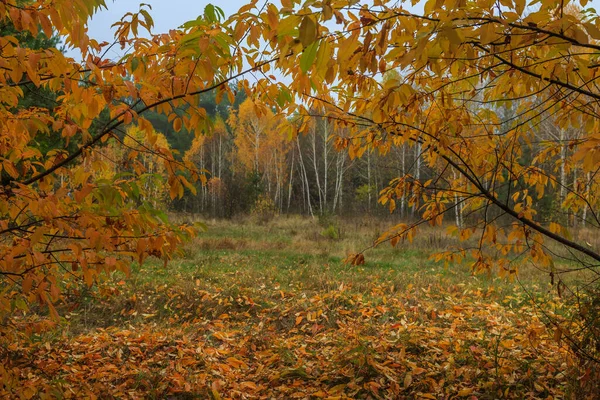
(457, 204)
(369, 177)
(563, 161)
(574, 189)
(305, 177)
(586, 197)
(339, 177)
(291, 181)
(417, 172)
(403, 198)
(316, 169)
(325, 162)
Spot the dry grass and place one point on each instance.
(307, 235)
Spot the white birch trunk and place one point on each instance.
(316, 169)
(305, 177)
(417, 172)
(291, 181)
(563, 160)
(586, 196)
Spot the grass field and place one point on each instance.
(271, 311)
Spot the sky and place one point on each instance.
(167, 14)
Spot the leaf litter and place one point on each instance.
(242, 338)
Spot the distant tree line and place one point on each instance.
(252, 165)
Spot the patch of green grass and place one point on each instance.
(234, 260)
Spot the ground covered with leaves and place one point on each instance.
(271, 312)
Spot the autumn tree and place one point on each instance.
(62, 221)
(261, 149)
(209, 153)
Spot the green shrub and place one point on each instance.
(331, 232)
(264, 210)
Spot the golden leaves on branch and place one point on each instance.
(355, 259)
(84, 215)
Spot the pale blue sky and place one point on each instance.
(168, 14)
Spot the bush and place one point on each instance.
(331, 232)
(331, 227)
(264, 209)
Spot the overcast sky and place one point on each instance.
(168, 14)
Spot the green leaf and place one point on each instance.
(209, 13)
(225, 42)
(284, 97)
(135, 62)
(148, 18)
(220, 13)
(201, 225)
(191, 24)
(308, 56)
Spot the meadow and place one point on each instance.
(270, 310)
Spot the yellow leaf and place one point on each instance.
(407, 380)
(592, 30)
(453, 35)
(554, 227)
(88, 277)
(28, 392)
(558, 335)
(177, 124)
(26, 285)
(9, 167)
(249, 385)
(53, 313)
(307, 30)
(519, 6)
(234, 362)
(174, 189)
(37, 235)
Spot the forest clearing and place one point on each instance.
(372, 199)
(270, 310)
